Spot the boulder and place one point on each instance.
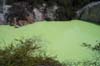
(90, 12)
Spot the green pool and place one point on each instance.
(61, 39)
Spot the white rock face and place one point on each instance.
(51, 12)
(2, 19)
(44, 12)
(38, 15)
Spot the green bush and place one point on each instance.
(28, 52)
(24, 54)
(95, 49)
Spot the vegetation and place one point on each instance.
(24, 54)
(95, 48)
(69, 7)
(28, 53)
(93, 62)
(74, 3)
(25, 12)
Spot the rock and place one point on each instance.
(2, 19)
(45, 12)
(51, 12)
(38, 14)
(90, 12)
(20, 11)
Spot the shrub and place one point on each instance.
(95, 48)
(23, 54)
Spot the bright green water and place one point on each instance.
(63, 39)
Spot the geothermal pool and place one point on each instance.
(61, 39)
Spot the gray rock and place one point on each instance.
(2, 19)
(90, 12)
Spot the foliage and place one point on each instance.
(92, 62)
(96, 47)
(24, 55)
(68, 7)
